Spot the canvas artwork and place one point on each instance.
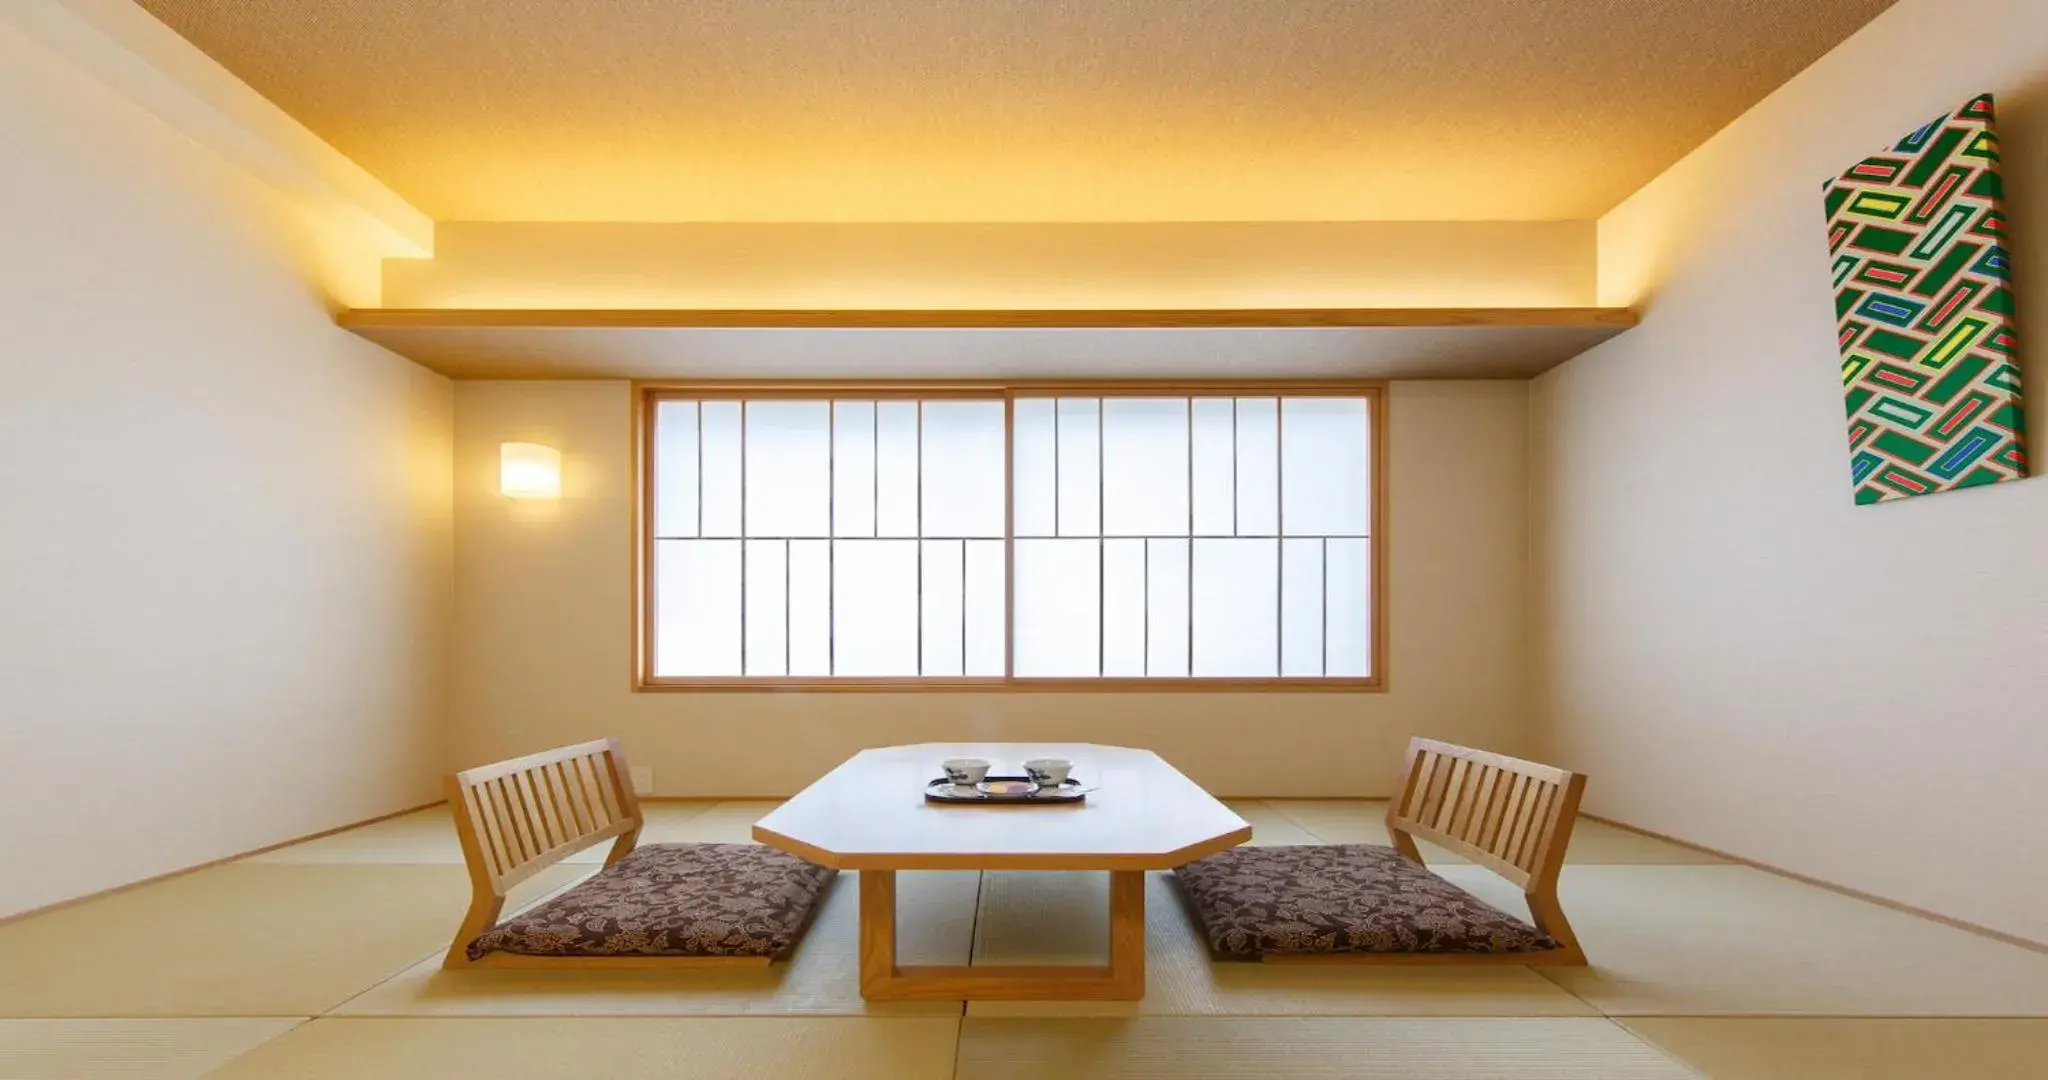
(1924, 309)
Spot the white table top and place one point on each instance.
(870, 813)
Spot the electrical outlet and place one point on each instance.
(643, 779)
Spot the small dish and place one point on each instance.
(1005, 791)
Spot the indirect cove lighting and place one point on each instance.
(529, 471)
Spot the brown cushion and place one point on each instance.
(673, 900)
(1349, 898)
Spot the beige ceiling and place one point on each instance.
(1014, 110)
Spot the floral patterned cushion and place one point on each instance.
(673, 900)
(1350, 898)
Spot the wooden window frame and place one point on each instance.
(646, 395)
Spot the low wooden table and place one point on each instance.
(870, 815)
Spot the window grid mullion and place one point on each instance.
(787, 575)
(743, 539)
(918, 532)
(1009, 539)
(1010, 536)
(700, 468)
(831, 538)
(963, 609)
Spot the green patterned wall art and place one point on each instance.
(1924, 310)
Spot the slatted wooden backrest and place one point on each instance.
(1512, 816)
(519, 817)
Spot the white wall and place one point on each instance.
(545, 602)
(224, 523)
(1737, 654)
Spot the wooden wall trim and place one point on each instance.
(994, 319)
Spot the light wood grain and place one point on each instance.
(870, 815)
(516, 818)
(1513, 817)
(985, 319)
(883, 979)
(1158, 353)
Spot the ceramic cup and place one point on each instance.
(966, 770)
(1048, 772)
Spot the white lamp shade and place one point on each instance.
(529, 471)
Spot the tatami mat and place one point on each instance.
(1783, 1048)
(1045, 918)
(1596, 842)
(935, 920)
(1182, 1048)
(1714, 940)
(237, 940)
(423, 836)
(1270, 826)
(1349, 821)
(428, 836)
(714, 823)
(616, 1049)
(128, 1049)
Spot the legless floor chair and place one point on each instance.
(1361, 903)
(652, 906)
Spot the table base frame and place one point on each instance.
(882, 979)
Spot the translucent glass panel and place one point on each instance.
(787, 538)
(961, 596)
(963, 450)
(788, 452)
(1347, 628)
(874, 608)
(697, 604)
(1325, 483)
(1145, 467)
(1236, 605)
(1154, 536)
(1059, 607)
(675, 469)
(1211, 537)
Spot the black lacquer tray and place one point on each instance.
(1004, 790)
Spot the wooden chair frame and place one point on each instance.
(516, 818)
(1511, 816)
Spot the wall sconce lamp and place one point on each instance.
(529, 471)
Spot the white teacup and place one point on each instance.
(965, 770)
(1048, 772)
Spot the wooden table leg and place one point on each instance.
(877, 932)
(881, 979)
(1127, 933)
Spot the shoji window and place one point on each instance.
(1193, 537)
(1028, 536)
(827, 538)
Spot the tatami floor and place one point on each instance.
(320, 961)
